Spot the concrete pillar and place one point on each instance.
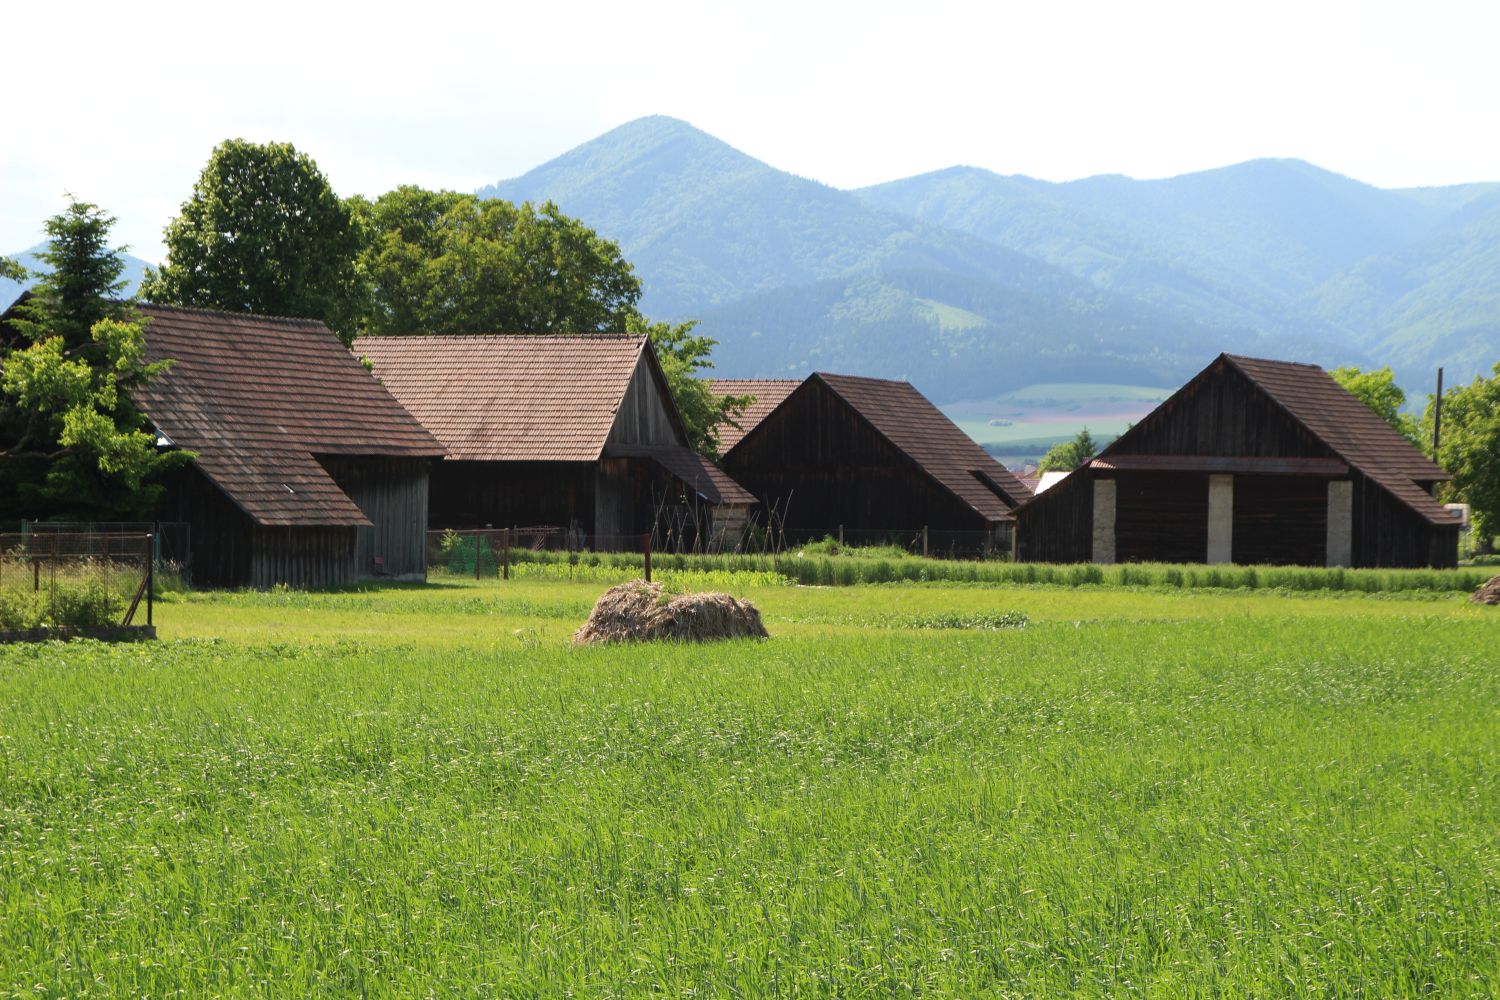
(1220, 519)
(1104, 521)
(1340, 522)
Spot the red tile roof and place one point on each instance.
(493, 398)
(768, 393)
(910, 422)
(257, 397)
(1350, 429)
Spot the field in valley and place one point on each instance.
(426, 790)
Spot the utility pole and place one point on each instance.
(1437, 417)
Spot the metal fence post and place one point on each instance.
(647, 552)
(477, 537)
(924, 541)
(505, 555)
(151, 541)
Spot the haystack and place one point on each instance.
(1489, 593)
(641, 612)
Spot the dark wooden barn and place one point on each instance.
(1256, 462)
(578, 433)
(871, 455)
(308, 472)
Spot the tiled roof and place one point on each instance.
(491, 398)
(256, 397)
(768, 393)
(1350, 429)
(691, 469)
(910, 422)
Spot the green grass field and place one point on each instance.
(426, 791)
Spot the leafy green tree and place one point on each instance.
(263, 232)
(1378, 390)
(70, 440)
(1469, 448)
(12, 270)
(446, 262)
(682, 357)
(1069, 455)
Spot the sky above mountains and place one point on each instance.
(850, 94)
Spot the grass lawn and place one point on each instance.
(425, 790)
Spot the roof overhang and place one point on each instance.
(1233, 465)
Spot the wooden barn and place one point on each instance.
(1256, 462)
(868, 454)
(308, 472)
(578, 433)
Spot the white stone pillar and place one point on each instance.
(1104, 521)
(1340, 522)
(1220, 519)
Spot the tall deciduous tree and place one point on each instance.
(263, 232)
(1378, 390)
(683, 356)
(1069, 455)
(446, 262)
(12, 269)
(1469, 448)
(71, 442)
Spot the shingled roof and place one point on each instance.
(768, 393)
(257, 397)
(1350, 429)
(492, 398)
(909, 421)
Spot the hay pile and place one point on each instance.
(1489, 593)
(640, 612)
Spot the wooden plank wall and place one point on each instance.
(644, 416)
(392, 493)
(1388, 533)
(302, 557)
(220, 531)
(1161, 517)
(825, 465)
(1280, 520)
(1058, 528)
(501, 494)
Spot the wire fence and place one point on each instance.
(489, 552)
(57, 582)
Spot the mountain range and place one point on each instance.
(135, 270)
(971, 283)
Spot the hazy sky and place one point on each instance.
(120, 104)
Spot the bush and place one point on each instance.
(20, 610)
(91, 604)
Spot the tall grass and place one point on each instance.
(844, 569)
(1304, 806)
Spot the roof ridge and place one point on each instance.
(632, 337)
(227, 314)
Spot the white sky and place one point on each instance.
(121, 104)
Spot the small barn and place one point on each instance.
(578, 432)
(308, 472)
(871, 455)
(1255, 462)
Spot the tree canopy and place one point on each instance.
(1069, 455)
(72, 443)
(1469, 448)
(1378, 390)
(265, 233)
(447, 262)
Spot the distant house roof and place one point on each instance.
(1047, 480)
(768, 393)
(905, 418)
(494, 398)
(257, 397)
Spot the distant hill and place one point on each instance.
(973, 283)
(135, 271)
(1435, 302)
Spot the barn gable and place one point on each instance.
(1251, 461)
